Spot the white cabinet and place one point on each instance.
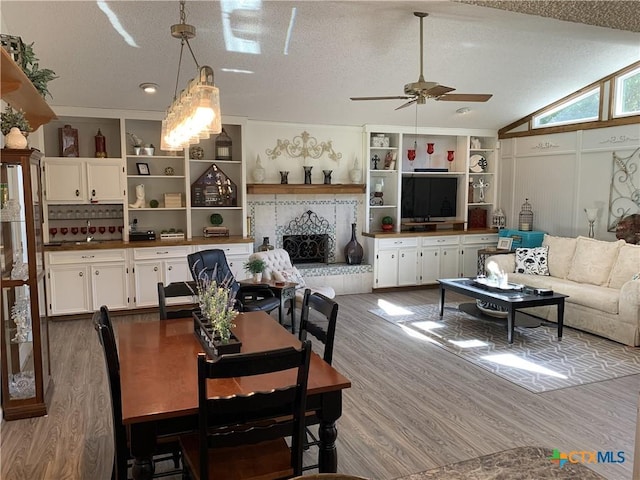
(469, 251)
(237, 254)
(82, 281)
(439, 258)
(80, 181)
(395, 262)
(158, 264)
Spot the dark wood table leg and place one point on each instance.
(441, 300)
(327, 432)
(511, 321)
(143, 444)
(560, 318)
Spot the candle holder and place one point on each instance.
(592, 216)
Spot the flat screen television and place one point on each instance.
(425, 198)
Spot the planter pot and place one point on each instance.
(15, 139)
(257, 277)
(209, 341)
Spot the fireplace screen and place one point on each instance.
(307, 248)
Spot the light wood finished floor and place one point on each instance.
(413, 406)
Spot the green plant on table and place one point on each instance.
(13, 118)
(217, 304)
(255, 265)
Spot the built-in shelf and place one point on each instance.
(301, 189)
(19, 92)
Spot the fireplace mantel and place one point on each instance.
(301, 189)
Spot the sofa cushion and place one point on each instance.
(532, 260)
(593, 260)
(561, 250)
(627, 264)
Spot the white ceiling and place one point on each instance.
(336, 50)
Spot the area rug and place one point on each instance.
(535, 361)
(522, 463)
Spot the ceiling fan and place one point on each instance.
(418, 92)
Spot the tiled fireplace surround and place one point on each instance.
(270, 216)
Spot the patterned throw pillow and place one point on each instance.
(290, 275)
(532, 261)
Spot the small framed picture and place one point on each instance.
(143, 168)
(505, 243)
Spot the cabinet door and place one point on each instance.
(469, 260)
(236, 265)
(69, 289)
(430, 264)
(177, 270)
(104, 181)
(146, 277)
(386, 268)
(407, 266)
(449, 262)
(64, 181)
(109, 286)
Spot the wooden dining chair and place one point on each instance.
(174, 290)
(168, 448)
(242, 437)
(212, 265)
(318, 318)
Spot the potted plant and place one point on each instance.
(39, 77)
(217, 309)
(387, 224)
(255, 266)
(15, 128)
(137, 143)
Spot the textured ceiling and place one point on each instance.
(313, 55)
(602, 13)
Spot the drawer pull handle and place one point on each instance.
(161, 253)
(87, 256)
(80, 274)
(155, 269)
(93, 192)
(77, 193)
(170, 267)
(97, 272)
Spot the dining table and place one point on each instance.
(159, 383)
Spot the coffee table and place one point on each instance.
(510, 300)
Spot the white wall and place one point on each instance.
(561, 175)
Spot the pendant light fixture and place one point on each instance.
(195, 113)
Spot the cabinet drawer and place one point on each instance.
(154, 253)
(86, 256)
(397, 242)
(437, 241)
(486, 238)
(229, 248)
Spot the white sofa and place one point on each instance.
(280, 269)
(601, 279)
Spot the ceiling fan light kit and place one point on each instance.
(195, 113)
(419, 92)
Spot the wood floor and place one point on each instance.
(413, 406)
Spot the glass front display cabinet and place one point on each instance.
(24, 336)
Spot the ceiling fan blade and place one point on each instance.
(465, 97)
(438, 90)
(411, 102)
(403, 97)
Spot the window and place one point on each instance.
(582, 108)
(627, 89)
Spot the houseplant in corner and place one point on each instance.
(255, 266)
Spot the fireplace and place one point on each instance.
(312, 248)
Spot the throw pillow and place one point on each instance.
(290, 275)
(625, 266)
(593, 261)
(532, 261)
(561, 250)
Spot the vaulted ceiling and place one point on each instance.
(308, 58)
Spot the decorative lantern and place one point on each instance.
(525, 219)
(223, 146)
(498, 219)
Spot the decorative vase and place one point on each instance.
(265, 245)
(355, 174)
(307, 175)
(257, 277)
(353, 252)
(258, 172)
(101, 145)
(15, 139)
(284, 177)
(327, 176)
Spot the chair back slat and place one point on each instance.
(325, 334)
(255, 416)
(175, 289)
